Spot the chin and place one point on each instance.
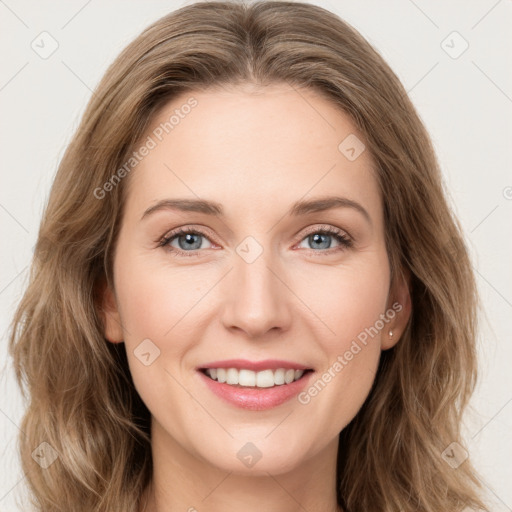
(255, 458)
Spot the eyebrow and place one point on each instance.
(301, 207)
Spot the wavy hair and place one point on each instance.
(80, 396)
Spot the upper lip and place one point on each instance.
(267, 364)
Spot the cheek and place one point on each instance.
(156, 305)
(345, 299)
(349, 301)
(155, 299)
(337, 303)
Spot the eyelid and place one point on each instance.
(325, 228)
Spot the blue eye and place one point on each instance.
(189, 241)
(321, 239)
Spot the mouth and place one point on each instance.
(255, 390)
(245, 378)
(255, 385)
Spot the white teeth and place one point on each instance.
(232, 376)
(279, 376)
(248, 378)
(265, 379)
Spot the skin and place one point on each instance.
(255, 151)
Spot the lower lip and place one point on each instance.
(253, 398)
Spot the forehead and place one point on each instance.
(259, 146)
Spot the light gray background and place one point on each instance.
(465, 102)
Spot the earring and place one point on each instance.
(390, 333)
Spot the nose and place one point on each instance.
(257, 299)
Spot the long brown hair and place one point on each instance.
(81, 398)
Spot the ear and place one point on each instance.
(109, 312)
(399, 302)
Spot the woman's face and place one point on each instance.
(285, 269)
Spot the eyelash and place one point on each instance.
(345, 241)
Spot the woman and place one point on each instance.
(184, 341)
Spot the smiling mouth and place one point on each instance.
(243, 378)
